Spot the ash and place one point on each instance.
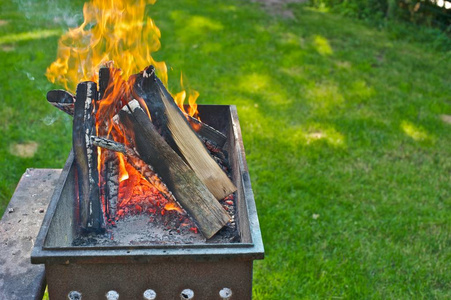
(144, 229)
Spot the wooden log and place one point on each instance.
(91, 216)
(111, 183)
(104, 80)
(188, 189)
(62, 100)
(146, 89)
(157, 111)
(167, 116)
(202, 129)
(111, 93)
(206, 131)
(136, 162)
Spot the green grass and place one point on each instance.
(348, 155)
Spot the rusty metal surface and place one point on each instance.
(167, 279)
(19, 279)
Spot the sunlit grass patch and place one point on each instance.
(312, 133)
(415, 132)
(322, 45)
(27, 36)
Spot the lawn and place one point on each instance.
(345, 126)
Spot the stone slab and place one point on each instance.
(19, 226)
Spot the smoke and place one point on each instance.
(65, 14)
(52, 118)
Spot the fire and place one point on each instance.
(121, 36)
(115, 31)
(123, 173)
(112, 31)
(180, 98)
(173, 206)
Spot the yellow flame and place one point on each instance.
(123, 174)
(173, 206)
(116, 31)
(180, 98)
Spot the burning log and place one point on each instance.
(62, 100)
(169, 119)
(188, 189)
(104, 80)
(91, 215)
(135, 161)
(205, 131)
(109, 180)
(111, 186)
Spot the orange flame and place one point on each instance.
(180, 98)
(173, 206)
(112, 31)
(116, 31)
(123, 174)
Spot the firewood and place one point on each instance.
(104, 80)
(62, 100)
(167, 116)
(111, 182)
(206, 131)
(202, 129)
(149, 92)
(91, 215)
(111, 95)
(136, 162)
(188, 189)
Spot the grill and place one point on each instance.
(182, 271)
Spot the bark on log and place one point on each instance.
(145, 88)
(62, 100)
(91, 216)
(167, 116)
(190, 192)
(104, 79)
(110, 182)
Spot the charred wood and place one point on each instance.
(145, 88)
(174, 127)
(62, 100)
(188, 189)
(111, 183)
(104, 80)
(136, 162)
(91, 216)
(206, 131)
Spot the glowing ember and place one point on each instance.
(172, 206)
(123, 174)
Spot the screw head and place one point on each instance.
(74, 295)
(187, 294)
(112, 295)
(225, 293)
(149, 295)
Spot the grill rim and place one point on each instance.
(247, 251)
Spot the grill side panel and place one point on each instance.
(168, 279)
